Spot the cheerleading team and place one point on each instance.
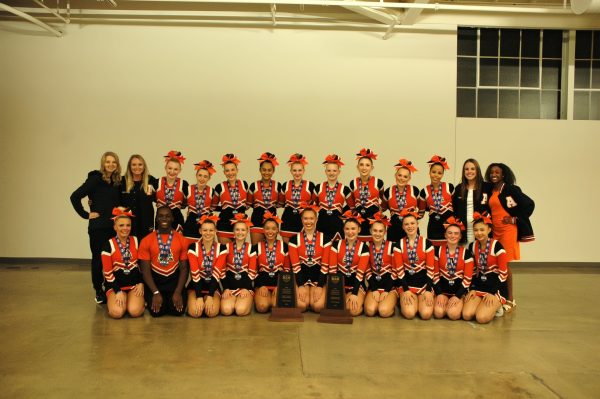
(123, 280)
(399, 197)
(350, 257)
(331, 198)
(173, 190)
(137, 195)
(415, 270)
(199, 199)
(309, 257)
(366, 191)
(263, 195)
(271, 258)
(510, 209)
(381, 297)
(488, 289)
(436, 199)
(102, 188)
(240, 270)
(207, 259)
(294, 193)
(454, 271)
(229, 198)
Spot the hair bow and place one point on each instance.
(407, 212)
(366, 153)
(349, 215)
(205, 165)
(268, 157)
(452, 221)
(118, 212)
(297, 158)
(481, 216)
(269, 216)
(380, 218)
(241, 217)
(440, 160)
(208, 218)
(333, 158)
(229, 158)
(174, 155)
(406, 164)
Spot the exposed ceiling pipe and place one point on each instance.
(30, 19)
(51, 11)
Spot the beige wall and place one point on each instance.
(208, 91)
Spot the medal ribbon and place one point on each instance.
(331, 194)
(200, 200)
(451, 262)
(412, 251)
(437, 198)
(296, 193)
(271, 256)
(170, 191)
(234, 193)
(400, 199)
(238, 257)
(378, 258)
(483, 256)
(349, 256)
(164, 255)
(363, 191)
(310, 245)
(208, 260)
(266, 193)
(124, 250)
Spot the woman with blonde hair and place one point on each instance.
(137, 194)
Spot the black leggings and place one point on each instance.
(98, 238)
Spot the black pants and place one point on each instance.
(98, 237)
(167, 306)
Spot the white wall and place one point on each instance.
(209, 91)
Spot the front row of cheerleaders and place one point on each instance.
(446, 281)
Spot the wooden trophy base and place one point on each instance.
(335, 316)
(286, 314)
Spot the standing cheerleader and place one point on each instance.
(241, 270)
(207, 260)
(488, 289)
(331, 197)
(172, 190)
(230, 196)
(381, 297)
(309, 256)
(124, 287)
(137, 194)
(470, 196)
(350, 257)
(510, 210)
(367, 191)
(454, 270)
(415, 269)
(293, 194)
(102, 187)
(436, 198)
(271, 258)
(199, 200)
(399, 197)
(263, 195)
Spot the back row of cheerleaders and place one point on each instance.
(324, 229)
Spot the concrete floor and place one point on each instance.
(58, 343)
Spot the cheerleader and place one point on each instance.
(102, 187)
(163, 258)
(470, 196)
(381, 297)
(172, 190)
(294, 193)
(137, 194)
(331, 197)
(199, 199)
(487, 294)
(309, 256)
(263, 195)
(415, 269)
(207, 260)
(367, 191)
(230, 196)
(436, 198)
(240, 271)
(454, 270)
(271, 258)
(399, 197)
(351, 258)
(510, 209)
(124, 287)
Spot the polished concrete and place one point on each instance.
(57, 343)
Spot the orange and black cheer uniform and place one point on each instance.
(120, 265)
(352, 262)
(490, 270)
(206, 267)
(381, 273)
(292, 199)
(365, 199)
(262, 198)
(269, 262)
(240, 269)
(454, 271)
(230, 201)
(396, 201)
(164, 252)
(309, 259)
(174, 197)
(415, 266)
(332, 204)
(199, 202)
(439, 205)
